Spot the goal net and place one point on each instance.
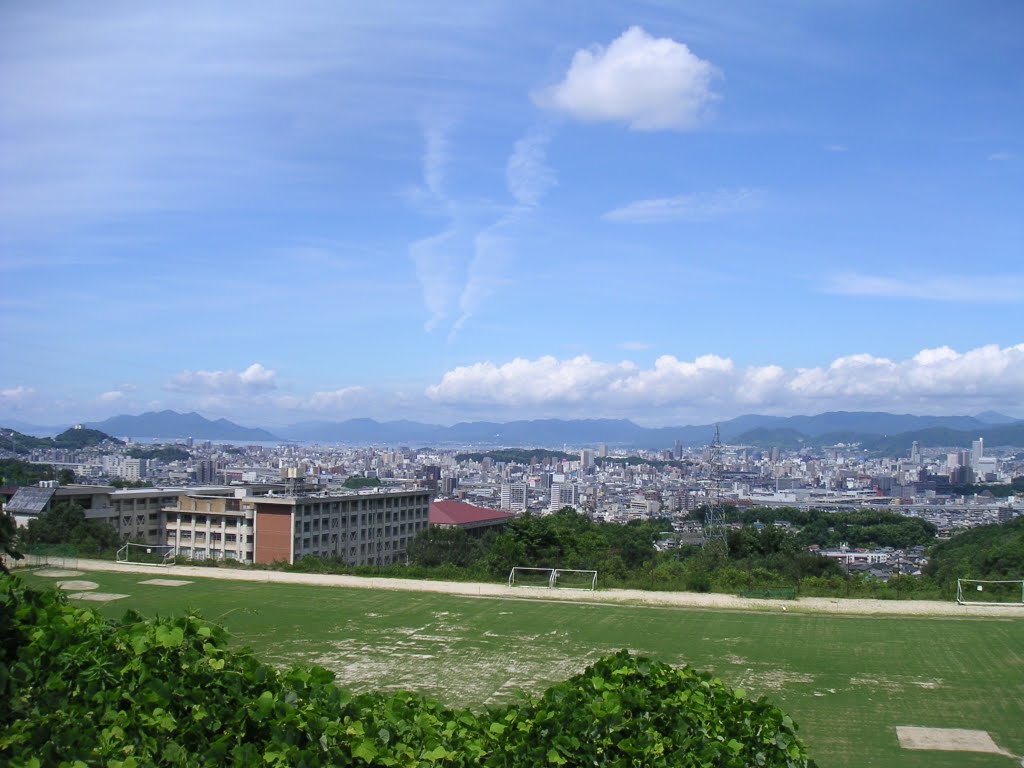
(147, 554)
(552, 578)
(981, 592)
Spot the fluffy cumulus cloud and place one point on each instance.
(252, 380)
(650, 83)
(941, 378)
(702, 207)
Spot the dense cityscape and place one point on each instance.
(951, 489)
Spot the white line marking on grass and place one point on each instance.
(96, 597)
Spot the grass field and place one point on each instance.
(847, 681)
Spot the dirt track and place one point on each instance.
(611, 596)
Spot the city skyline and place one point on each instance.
(508, 211)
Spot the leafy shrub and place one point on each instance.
(78, 690)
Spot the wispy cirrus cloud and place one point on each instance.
(693, 208)
(950, 288)
(649, 83)
(459, 267)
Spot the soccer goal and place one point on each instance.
(146, 554)
(552, 578)
(981, 592)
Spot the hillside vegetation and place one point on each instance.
(987, 552)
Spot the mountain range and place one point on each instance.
(872, 430)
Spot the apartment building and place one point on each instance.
(252, 523)
(369, 527)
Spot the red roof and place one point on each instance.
(457, 513)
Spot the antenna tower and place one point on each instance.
(714, 520)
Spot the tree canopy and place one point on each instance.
(65, 524)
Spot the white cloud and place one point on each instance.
(698, 207)
(529, 382)
(650, 83)
(958, 288)
(1002, 156)
(459, 267)
(16, 394)
(110, 397)
(438, 262)
(987, 376)
(337, 399)
(836, 147)
(527, 173)
(252, 380)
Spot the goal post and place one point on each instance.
(552, 578)
(146, 554)
(990, 592)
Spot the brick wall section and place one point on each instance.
(273, 533)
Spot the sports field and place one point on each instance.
(849, 681)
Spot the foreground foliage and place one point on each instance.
(78, 690)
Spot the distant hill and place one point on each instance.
(72, 439)
(171, 424)
(875, 431)
(788, 432)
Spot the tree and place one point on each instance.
(355, 481)
(8, 533)
(437, 546)
(65, 523)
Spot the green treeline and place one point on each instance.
(986, 552)
(1000, 490)
(355, 482)
(71, 439)
(865, 528)
(77, 689)
(15, 472)
(162, 452)
(65, 525)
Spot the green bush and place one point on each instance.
(78, 690)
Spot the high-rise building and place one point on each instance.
(586, 458)
(602, 450)
(977, 451)
(513, 496)
(564, 494)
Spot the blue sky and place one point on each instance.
(671, 212)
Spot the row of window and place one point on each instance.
(230, 538)
(353, 505)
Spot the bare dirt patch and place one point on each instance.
(97, 597)
(59, 573)
(947, 740)
(77, 585)
(165, 582)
